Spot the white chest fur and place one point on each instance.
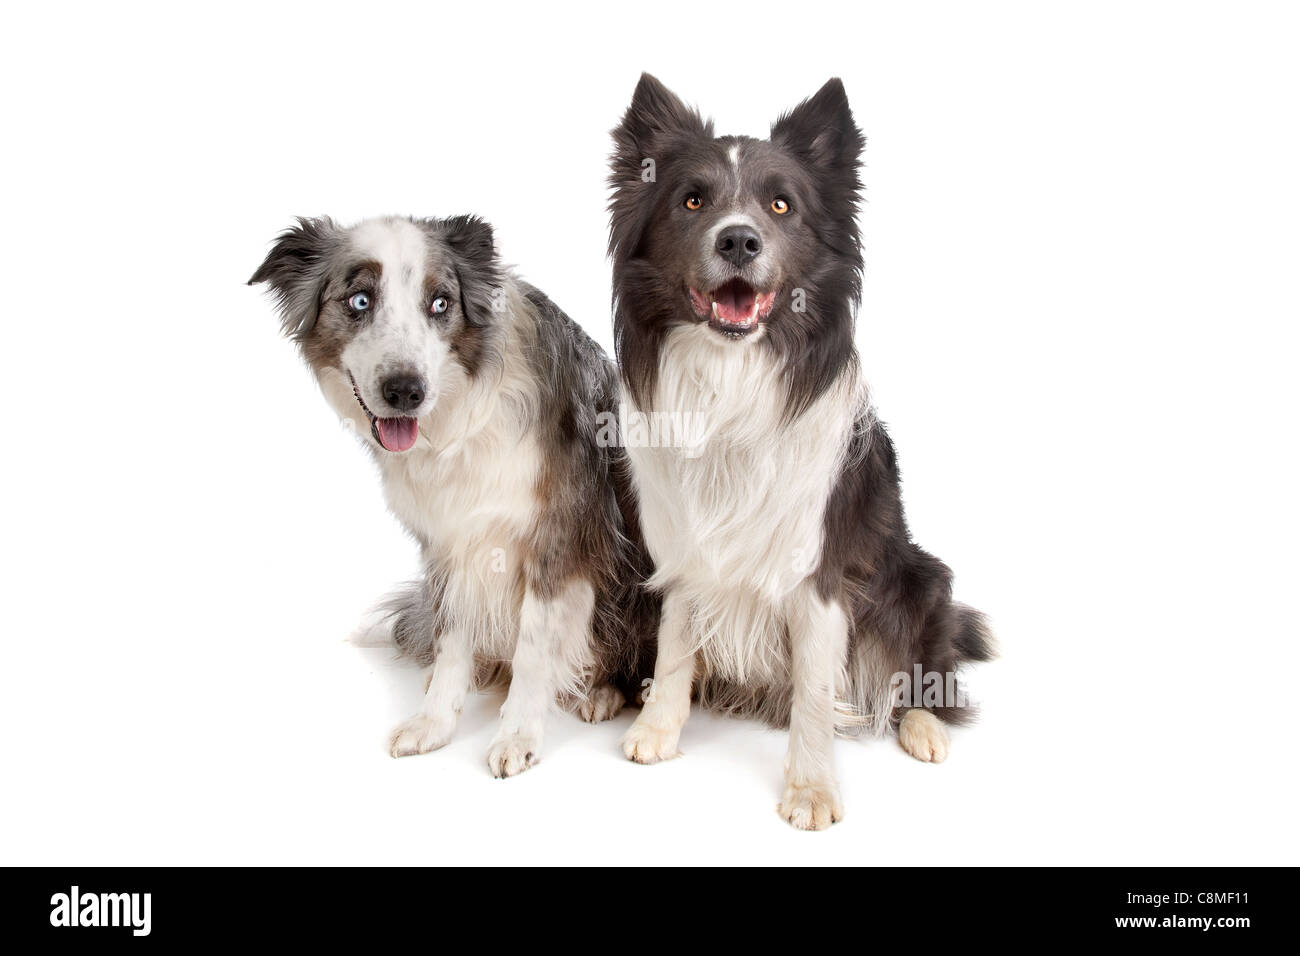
(480, 495)
(472, 510)
(735, 522)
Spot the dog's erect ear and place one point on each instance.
(477, 269)
(656, 111)
(653, 123)
(821, 131)
(655, 116)
(295, 269)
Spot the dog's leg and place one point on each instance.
(818, 642)
(553, 637)
(654, 735)
(449, 683)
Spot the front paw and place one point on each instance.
(811, 806)
(419, 735)
(601, 703)
(647, 744)
(513, 754)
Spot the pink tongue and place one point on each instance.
(397, 434)
(735, 303)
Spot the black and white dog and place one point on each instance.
(791, 587)
(479, 399)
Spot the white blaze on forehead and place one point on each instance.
(401, 249)
(398, 245)
(399, 333)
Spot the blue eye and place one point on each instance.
(359, 302)
(438, 306)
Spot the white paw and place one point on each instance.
(513, 754)
(924, 736)
(601, 703)
(811, 806)
(645, 743)
(420, 734)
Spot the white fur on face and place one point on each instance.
(399, 335)
(713, 271)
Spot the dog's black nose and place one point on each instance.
(403, 392)
(738, 244)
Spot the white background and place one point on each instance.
(1079, 322)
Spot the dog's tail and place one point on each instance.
(896, 663)
(409, 611)
(974, 640)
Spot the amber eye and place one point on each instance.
(780, 206)
(694, 202)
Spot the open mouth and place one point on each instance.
(395, 434)
(734, 308)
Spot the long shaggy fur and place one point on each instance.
(797, 486)
(529, 545)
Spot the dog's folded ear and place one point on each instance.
(295, 268)
(477, 269)
(821, 131)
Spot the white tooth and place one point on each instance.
(716, 315)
